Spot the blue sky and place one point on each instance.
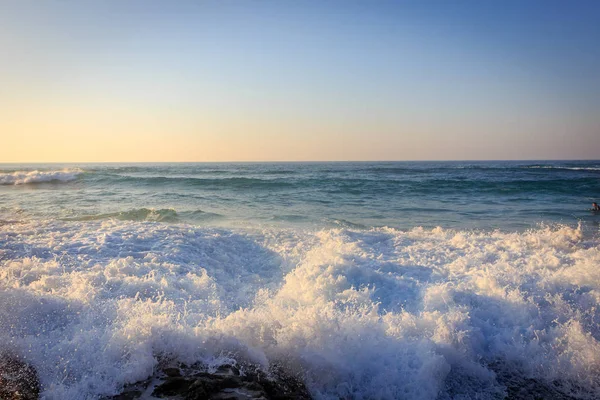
(299, 80)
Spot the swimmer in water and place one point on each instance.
(595, 207)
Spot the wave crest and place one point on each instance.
(27, 177)
(563, 168)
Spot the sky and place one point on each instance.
(159, 81)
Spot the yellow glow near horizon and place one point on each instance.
(54, 134)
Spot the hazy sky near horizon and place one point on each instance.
(298, 80)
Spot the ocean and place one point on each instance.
(367, 280)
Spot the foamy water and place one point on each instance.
(366, 280)
(25, 177)
(376, 313)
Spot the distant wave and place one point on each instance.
(290, 217)
(567, 168)
(165, 170)
(150, 214)
(413, 170)
(232, 182)
(199, 215)
(400, 170)
(26, 177)
(487, 168)
(280, 172)
(347, 224)
(139, 214)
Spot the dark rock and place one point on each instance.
(131, 395)
(279, 384)
(228, 382)
(227, 369)
(209, 386)
(131, 392)
(198, 390)
(18, 381)
(172, 387)
(172, 371)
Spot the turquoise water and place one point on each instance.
(399, 280)
(466, 195)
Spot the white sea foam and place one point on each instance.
(567, 168)
(25, 177)
(361, 314)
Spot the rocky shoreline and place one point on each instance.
(227, 382)
(19, 381)
(177, 381)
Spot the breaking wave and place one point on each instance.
(563, 168)
(356, 313)
(27, 177)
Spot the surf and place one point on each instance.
(361, 313)
(37, 176)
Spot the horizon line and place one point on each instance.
(294, 161)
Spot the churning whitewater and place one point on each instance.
(376, 313)
(94, 292)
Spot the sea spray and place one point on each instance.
(357, 313)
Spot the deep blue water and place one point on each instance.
(508, 195)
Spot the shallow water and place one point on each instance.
(368, 280)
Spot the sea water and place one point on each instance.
(395, 280)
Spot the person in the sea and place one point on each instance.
(595, 207)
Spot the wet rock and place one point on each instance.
(130, 395)
(18, 380)
(227, 369)
(227, 382)
(131, 392)
(172, 371)
(172, 387)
